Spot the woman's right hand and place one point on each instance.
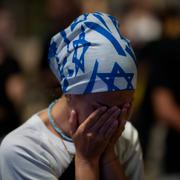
(93, 135)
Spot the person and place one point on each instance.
(160, 106)
(12, 84)
(87, 125)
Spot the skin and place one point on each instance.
(166, 108)
(95, 122)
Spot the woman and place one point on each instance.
(96, 68)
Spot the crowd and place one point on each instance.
(155, 34)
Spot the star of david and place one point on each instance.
(117, 71)
(80, 43)
(52, 50)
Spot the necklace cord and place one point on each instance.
(55, 127)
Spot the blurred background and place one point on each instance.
(153, 27)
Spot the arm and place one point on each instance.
(166, 108)
(86, 169)
(129, 163)
(91, 139)
(129, 153)
(111, 167)
(110, 164)
(15, 89)
(129, 160)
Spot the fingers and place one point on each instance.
(111, 129)
(104, 128)
(122, 117)
(73, 122)
(110, 113)
(102, 119)
(93, 118)
(127, 105)
(123, 114)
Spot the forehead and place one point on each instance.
(111, 98)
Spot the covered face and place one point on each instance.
(92, 56)
(94, 63)
(86, 104)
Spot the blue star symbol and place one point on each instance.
(78, 44)
(109, 78)
(80, 19)
(129, 49)
(117, 71)
(52, 50)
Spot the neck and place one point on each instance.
(61, 113)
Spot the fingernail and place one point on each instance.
(103, 108)
(114, 108)
(123, 122)
(73, 111)
(118, 112)
(115, 123)
(124, 110)
(127, 105)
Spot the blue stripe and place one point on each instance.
(97, 12)
(66, 40)
(114, 21)
(92, 80)
(130, 52)
(108, 35)
(129, 49)
(77, 21)
(52, 51)
(101, 20)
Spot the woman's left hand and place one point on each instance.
(109, 153)
(93, 134)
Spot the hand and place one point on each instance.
(109, 153)
(92, 136)
(122, 119)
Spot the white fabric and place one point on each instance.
(91, 55)
(33, 152)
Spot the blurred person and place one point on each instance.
(160, 61)
(84, 134)
(165, 95)
(140, 24)
(11, 81)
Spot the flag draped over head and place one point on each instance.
(91, 55)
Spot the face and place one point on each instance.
(86, 104)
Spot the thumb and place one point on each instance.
(73, 122)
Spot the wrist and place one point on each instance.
(86, 162)
(108, 157)
(86, 169)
